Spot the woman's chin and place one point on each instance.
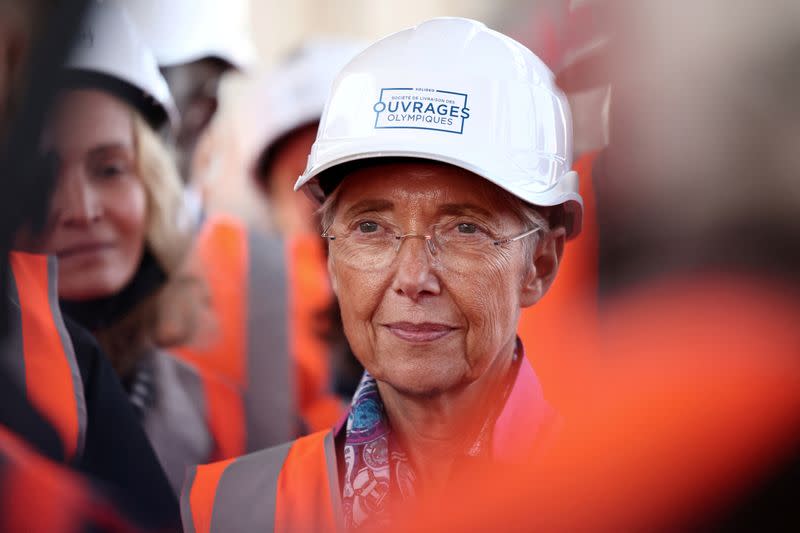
(98, 288)
(421, 379)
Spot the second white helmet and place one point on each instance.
(111, 54)
(182, 31)
(294, 94)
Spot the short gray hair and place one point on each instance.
(531, 216)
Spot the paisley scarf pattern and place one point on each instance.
(374, 468)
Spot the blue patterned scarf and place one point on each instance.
(375, 470)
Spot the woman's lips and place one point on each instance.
(419, 332)
(83, 249)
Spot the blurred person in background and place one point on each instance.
(115, 226)
(438, 236)
(253, 281)
(290, 100)
(196, 43)
(60, 394)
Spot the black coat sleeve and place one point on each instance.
(18, 416)
(117, 452)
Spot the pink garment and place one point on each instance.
(525, 416)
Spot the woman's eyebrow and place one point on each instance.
(464, 208)
(107, 148)
(368, 205)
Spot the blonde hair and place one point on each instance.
(168, 317)
(167, 237)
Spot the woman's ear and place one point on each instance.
(545, 262)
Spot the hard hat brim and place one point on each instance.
(150, 109)
(571, 201)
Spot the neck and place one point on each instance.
(435, 431)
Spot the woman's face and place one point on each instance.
(98, 211)
(422, 325)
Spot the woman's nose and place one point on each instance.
(414, 276)
(78, 202)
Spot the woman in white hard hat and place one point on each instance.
(443, 166)
(115, 226)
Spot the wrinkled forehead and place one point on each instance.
(421, 187)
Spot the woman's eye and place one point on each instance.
(110, 170)
(467, 228)
(368, 227)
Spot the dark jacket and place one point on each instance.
(117, 451)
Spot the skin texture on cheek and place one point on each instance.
(357, 304)
(493, 309)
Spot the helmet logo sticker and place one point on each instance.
(421, 109)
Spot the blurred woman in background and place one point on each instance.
(116, 227)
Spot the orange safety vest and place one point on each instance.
(222, 400)
(37, 496)
(266, 294)
(544, 326)
(38, 352)
(297, 482)
(295, 487)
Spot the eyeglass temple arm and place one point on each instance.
(518, 237)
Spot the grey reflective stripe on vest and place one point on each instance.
(247, 492)
(186, 507)
(69, 352)
(333, 480)
(12, 356)
(270, 395)
(177, 423)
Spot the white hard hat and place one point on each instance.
(294, 94)
(110, 54)
(454, 91)
(183, 31)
